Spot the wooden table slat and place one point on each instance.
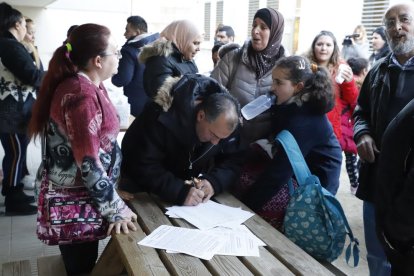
(297, 260)
(151, 217)
(136, 257)
(110, 262)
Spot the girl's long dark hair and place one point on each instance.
(86, 41)
(317, 91)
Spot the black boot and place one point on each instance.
(19, 196)
(18, 208)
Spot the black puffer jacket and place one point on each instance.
(370, 117)
(161, 149)
(162, 60)
(395, 197)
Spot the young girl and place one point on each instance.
(304, 95)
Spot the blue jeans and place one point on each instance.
(377, 260)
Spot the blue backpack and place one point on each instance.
(314, 218)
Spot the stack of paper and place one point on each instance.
(210, 214)
(220, 232)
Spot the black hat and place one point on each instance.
(381, 32)
(264, 14)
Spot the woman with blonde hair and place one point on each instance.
(171, 55)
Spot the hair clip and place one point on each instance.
(314, 67)
(68, 49)
(302, 64)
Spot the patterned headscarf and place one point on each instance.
(182, 33)
(266, 59)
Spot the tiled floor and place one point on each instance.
(18, 238)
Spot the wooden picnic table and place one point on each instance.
(279, 257)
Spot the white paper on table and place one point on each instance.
(189, 241)
(210, 214)
(247, 231)
(237, 242)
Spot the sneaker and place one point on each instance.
(28, 182)
(354, 189)
(18, 208)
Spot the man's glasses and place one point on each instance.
(117, 54)
(403, 20)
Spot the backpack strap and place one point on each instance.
(298, 163)
(355, 249)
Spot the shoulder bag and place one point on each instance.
(67, 215)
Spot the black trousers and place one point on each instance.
(400, 255)
(79, 258)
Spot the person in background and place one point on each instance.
(394, 201)
(379, 45)
(130, 71)
(20, 79)
(359, 68)
(386, 91)
(247, 71)
(188, 133)
(170, 56)
(215, 53)
(304, 96)
(81, 127)
(225, 34)
(361, 43)
(324, 51)
(29, 43)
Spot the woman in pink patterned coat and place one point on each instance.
(82, 126)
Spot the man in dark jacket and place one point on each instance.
(130, 71)
(186, 133)
(387, 88)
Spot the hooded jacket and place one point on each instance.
(317, 142)
(162, 59)
(161, 148)
(130, 72)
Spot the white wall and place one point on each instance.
(337, 16)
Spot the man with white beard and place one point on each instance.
(387, 89)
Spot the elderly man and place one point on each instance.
(184, 137)
(130, 71)
(387, 89)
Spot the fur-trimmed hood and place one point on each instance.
(160, 47)
(183, 93)
(227, 48)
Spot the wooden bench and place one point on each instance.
(51, 265)
(17, 268)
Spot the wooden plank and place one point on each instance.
(109, 263)
(151, 217)
(138, 260)
(332, 268)
(292, 256)
(267, 264)
(17, 268)
(51, 265)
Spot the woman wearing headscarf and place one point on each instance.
(247, 71)
(171, 55)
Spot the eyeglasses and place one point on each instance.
(403, 20)
(117, 54)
